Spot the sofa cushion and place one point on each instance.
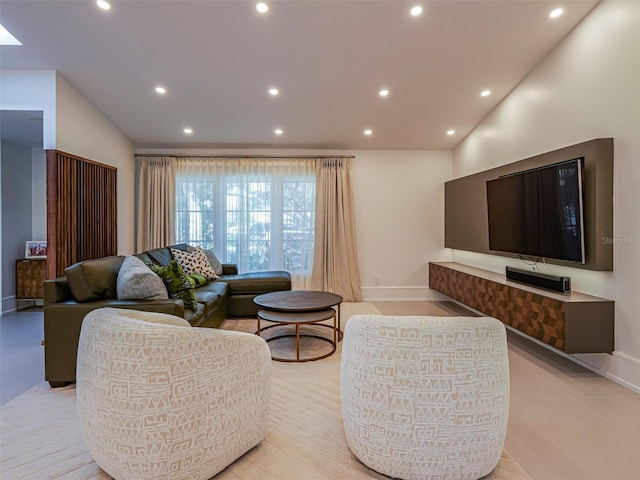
(194, 262)
(211, 295)
(195, 317)
(178, 284)
(257, 282)
(137, 282)
(94, 279)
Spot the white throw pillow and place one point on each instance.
(137, 282)
(194, 262)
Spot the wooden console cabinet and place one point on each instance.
(30, 275)
(573, 323)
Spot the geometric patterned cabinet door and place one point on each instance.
(573, 323)
(30, 275)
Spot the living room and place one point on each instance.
(583, 89)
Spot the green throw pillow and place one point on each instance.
(197, 279)
(178, 285)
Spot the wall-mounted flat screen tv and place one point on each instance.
(538, 213)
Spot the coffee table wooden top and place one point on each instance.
(297, 300)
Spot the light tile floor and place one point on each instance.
(565, 422)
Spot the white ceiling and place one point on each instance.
(329, 58)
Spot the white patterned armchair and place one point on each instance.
(425, 397)
(158, 399)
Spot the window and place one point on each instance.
(256, 213)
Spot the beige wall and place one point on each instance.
(82, 130)
(399, 199)
(399, 202)
(588, 87)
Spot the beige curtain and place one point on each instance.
(156, 197)
(335, 264)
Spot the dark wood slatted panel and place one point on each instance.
(81, 210)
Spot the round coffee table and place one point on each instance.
(297, 307)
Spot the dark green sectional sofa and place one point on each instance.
(94, 281)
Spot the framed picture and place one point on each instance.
(36, 249)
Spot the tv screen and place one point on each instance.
(538, 212)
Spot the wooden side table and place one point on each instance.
(30, 275)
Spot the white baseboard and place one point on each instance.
(9, 304)
(619, 367)
(402, 294)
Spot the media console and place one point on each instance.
(572, 322)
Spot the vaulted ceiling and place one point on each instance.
(328, 59)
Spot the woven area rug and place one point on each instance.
(41, 438)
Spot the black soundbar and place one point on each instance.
(542, 280)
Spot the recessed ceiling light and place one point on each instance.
(278, 131)
(262, 7)
(188, 130)
(160, 90)
(485, 93)
(555, 13)
(103, 4)
(273, 91)
(6, 38)
(368, 132)
(451, 132)
(415, 11)
(384, 92)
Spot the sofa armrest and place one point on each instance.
(229, 269)
(62, 324)
(57, 290)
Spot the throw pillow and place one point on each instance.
(194, 262)
(213, 260)
(178, 284)
(137, 282)
(96, 279)
(198, 279)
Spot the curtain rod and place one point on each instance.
(242, 156)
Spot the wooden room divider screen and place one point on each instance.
(81, 211)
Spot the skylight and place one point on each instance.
(6, 38)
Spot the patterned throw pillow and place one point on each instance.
(178, 284)
(194, 262)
